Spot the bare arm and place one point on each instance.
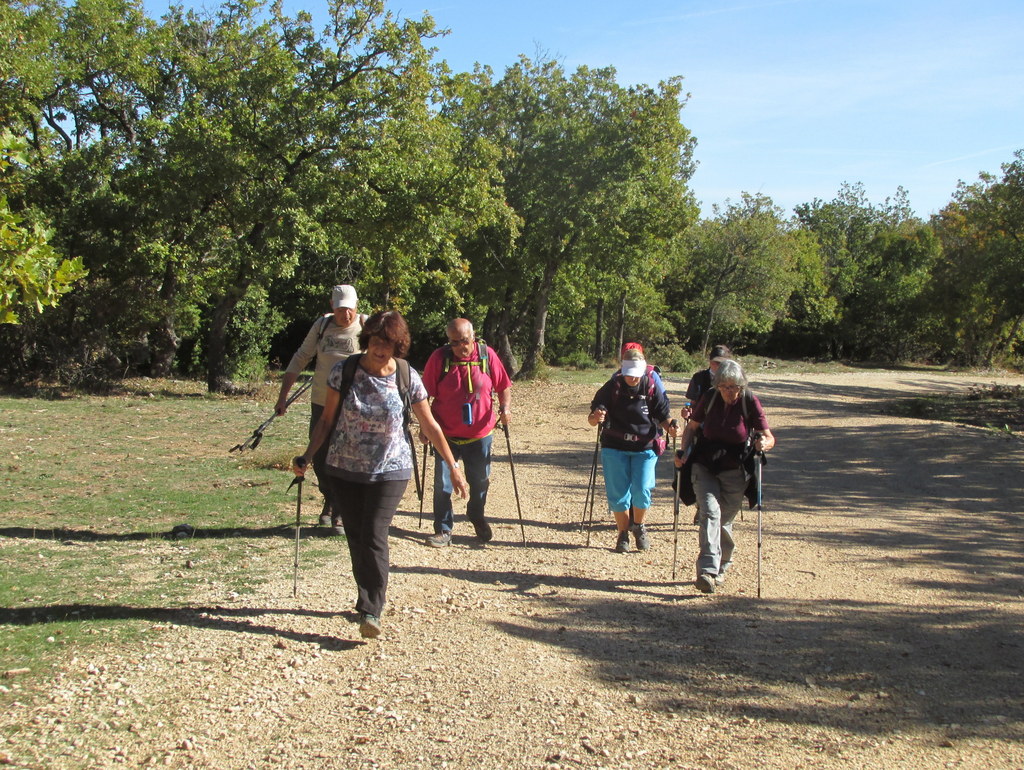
(282, 398)
(321, 430)
(505, 405)
(430, 429)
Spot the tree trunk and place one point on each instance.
(504, 327)
(535, 353)
(622, 325)
(216, 341)
(163, 340)
(599, 330)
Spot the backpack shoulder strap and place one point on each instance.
(482, 354)
(404, 379)
(348, 373)
(324, 322)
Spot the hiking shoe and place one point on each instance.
(640, 533)
(705, 583)
(336, 527)
(440, 540)
(483, 529)
(369, 626)
(720, 579)
(622, 545)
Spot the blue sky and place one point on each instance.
(788, 98)
(791, 98)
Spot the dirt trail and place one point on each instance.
(888, 632)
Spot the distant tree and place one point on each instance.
(595, 175)
(846, 228)
(739, 270)
(978, 305)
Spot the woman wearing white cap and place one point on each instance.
(631, 408)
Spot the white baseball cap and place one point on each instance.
(344, 296)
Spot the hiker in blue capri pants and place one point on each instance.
(631, 408)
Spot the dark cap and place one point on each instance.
(719, 351)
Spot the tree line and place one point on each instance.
(179, 195)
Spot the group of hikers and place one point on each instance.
(364, 393)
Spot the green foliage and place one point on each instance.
(33, 276)
(978, 313)
(672, 357)
(577, 360)
(739, 272)
(595, 176)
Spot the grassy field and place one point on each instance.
(91, 489)
(93, 485)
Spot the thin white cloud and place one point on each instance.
(979, 154)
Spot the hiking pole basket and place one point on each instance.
(257, 435)
(515, 486)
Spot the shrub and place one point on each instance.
(673, 358)
(578, 360)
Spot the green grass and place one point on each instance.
(90, 490)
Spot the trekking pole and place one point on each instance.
(257, 435)
(298, 528)
(593, 478)
(515, 487)
(593, 495)
(675, 504)
(759, 460)
(415, 475)
(423, 484)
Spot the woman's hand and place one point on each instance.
(299, 465)
(597, 416)
(764, 441)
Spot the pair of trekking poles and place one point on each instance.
(588, 503)
(512, 467)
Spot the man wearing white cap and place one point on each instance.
(331, 338)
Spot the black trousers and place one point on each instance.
(366, 512)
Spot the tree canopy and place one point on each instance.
(178, 195)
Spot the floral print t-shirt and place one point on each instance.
(368, 443)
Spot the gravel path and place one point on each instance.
(887, 634)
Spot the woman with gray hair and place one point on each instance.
(733, 422)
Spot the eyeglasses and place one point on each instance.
(730, 388)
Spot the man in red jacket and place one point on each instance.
(461, 378)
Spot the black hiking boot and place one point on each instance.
(622, 544)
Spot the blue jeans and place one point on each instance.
(718, 500)
(476, 465)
